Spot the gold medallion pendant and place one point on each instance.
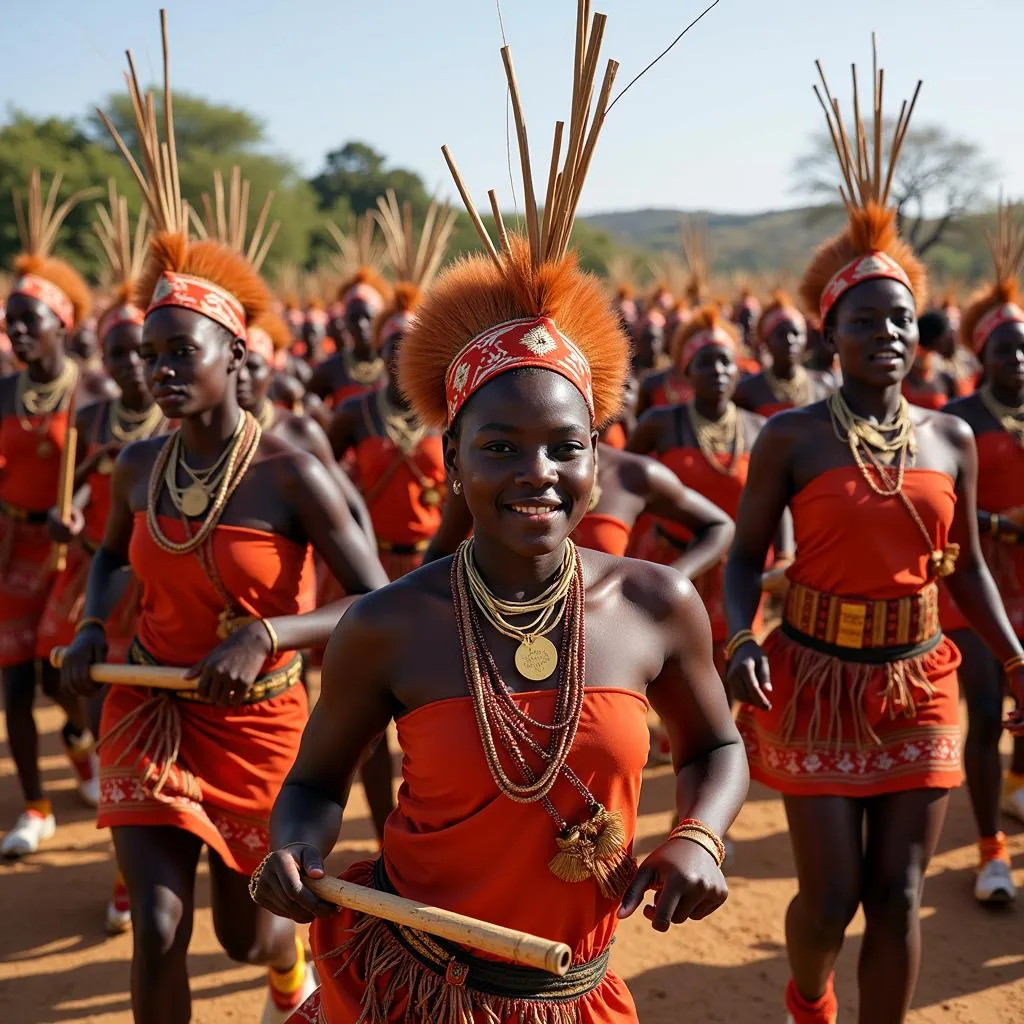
(45, 449)
(194, 501)
(536, 658)
(430, 497)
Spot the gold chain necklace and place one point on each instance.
(867, 441)
(595, 848)
(362, 371)
(44, 398)
(240, 453)
(265, 416)
(536, 656)
(715, 437)
(798, 391)
(1009, 417)
(126, 425)
(402, 426)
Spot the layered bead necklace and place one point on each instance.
(1009, 417)
(362, 371)
(402, 427)
(717, 437)
(798, 391)
(881, 452)
(43, 399)
(594, 848)
(127, 426)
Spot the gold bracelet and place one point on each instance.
(993, 524)
(1013, 663)
(254, 878)
(689, 828)
(737, 641)
(702, 841)
(272, 633)
(89, 622)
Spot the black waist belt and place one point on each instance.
(862, 655)
(23, 515)
(501, 980)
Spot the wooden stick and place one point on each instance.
(66, 493)
(157, 677)
(471, 209)
(499, 223)
(515, 946)
(530, 197)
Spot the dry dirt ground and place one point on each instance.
(57, 964)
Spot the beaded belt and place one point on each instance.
(504, 981)
(417, 548)
(23, 515)
(860, 629)
(270, 685)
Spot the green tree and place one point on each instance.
(358, 174)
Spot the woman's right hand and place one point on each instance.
(748, 679)
(61, 532)
(87, 649)
(277, 884)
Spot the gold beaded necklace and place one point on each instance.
(798, 391)
(266, 415)
(237, 458)
(1009, 417)
(402, 427)
(362, 371)
(43, 399)
(868, 445)
(716, 437)
(126, 425)
(594, 848)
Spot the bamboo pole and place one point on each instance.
(518, 947)
(66, 491)
(157, 677)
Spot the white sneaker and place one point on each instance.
(995, 883)
(119, 911)
(89, 789)
(273, 1015)
(29, 831)
(86, 765)
(1013, 804)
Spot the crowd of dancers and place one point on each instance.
(548, 526)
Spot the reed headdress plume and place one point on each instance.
(997, 303)
(695, 240)
(779, 310)
(525, 302)
(205, 276)
(358, 261)
(38, 274)
(124, 252)
(870, 247)
(415, 263)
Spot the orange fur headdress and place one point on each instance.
(39, 275)
(415, 263)
(208, 277)
(870, 247)
(525, 302)
(997, 303)
(781, 308)
(707, 326)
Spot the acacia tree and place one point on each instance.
(939, 178)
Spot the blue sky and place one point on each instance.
(716, 125)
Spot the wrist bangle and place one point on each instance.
(737, 641)
(994, 524)
(1013, 663)
(697, 832)
(90, 622)
(272, 633)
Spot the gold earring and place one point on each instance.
(457, 486)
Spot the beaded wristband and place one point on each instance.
(1013, 663)
(272, 633)
(88, 623)
(697, 832)
(737, 641)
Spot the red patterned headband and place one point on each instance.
(367, 293)
(780, 315)
(1006, 313)
(704, 339)
(533, 341)
(259, 341)
(54, 298)
(201, 296)
(871, 266)
(125, 313)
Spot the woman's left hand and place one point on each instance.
(227, 673)
(1014, 721)
(688, 885)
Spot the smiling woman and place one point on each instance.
(214, 519)
(520, 671)
(851, 706)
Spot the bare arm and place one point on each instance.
(712, 529)
(343, 432)
(644, 439)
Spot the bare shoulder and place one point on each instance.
(91, 416)
(953, 429)
(663, 596)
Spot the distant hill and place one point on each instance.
(778, 241)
